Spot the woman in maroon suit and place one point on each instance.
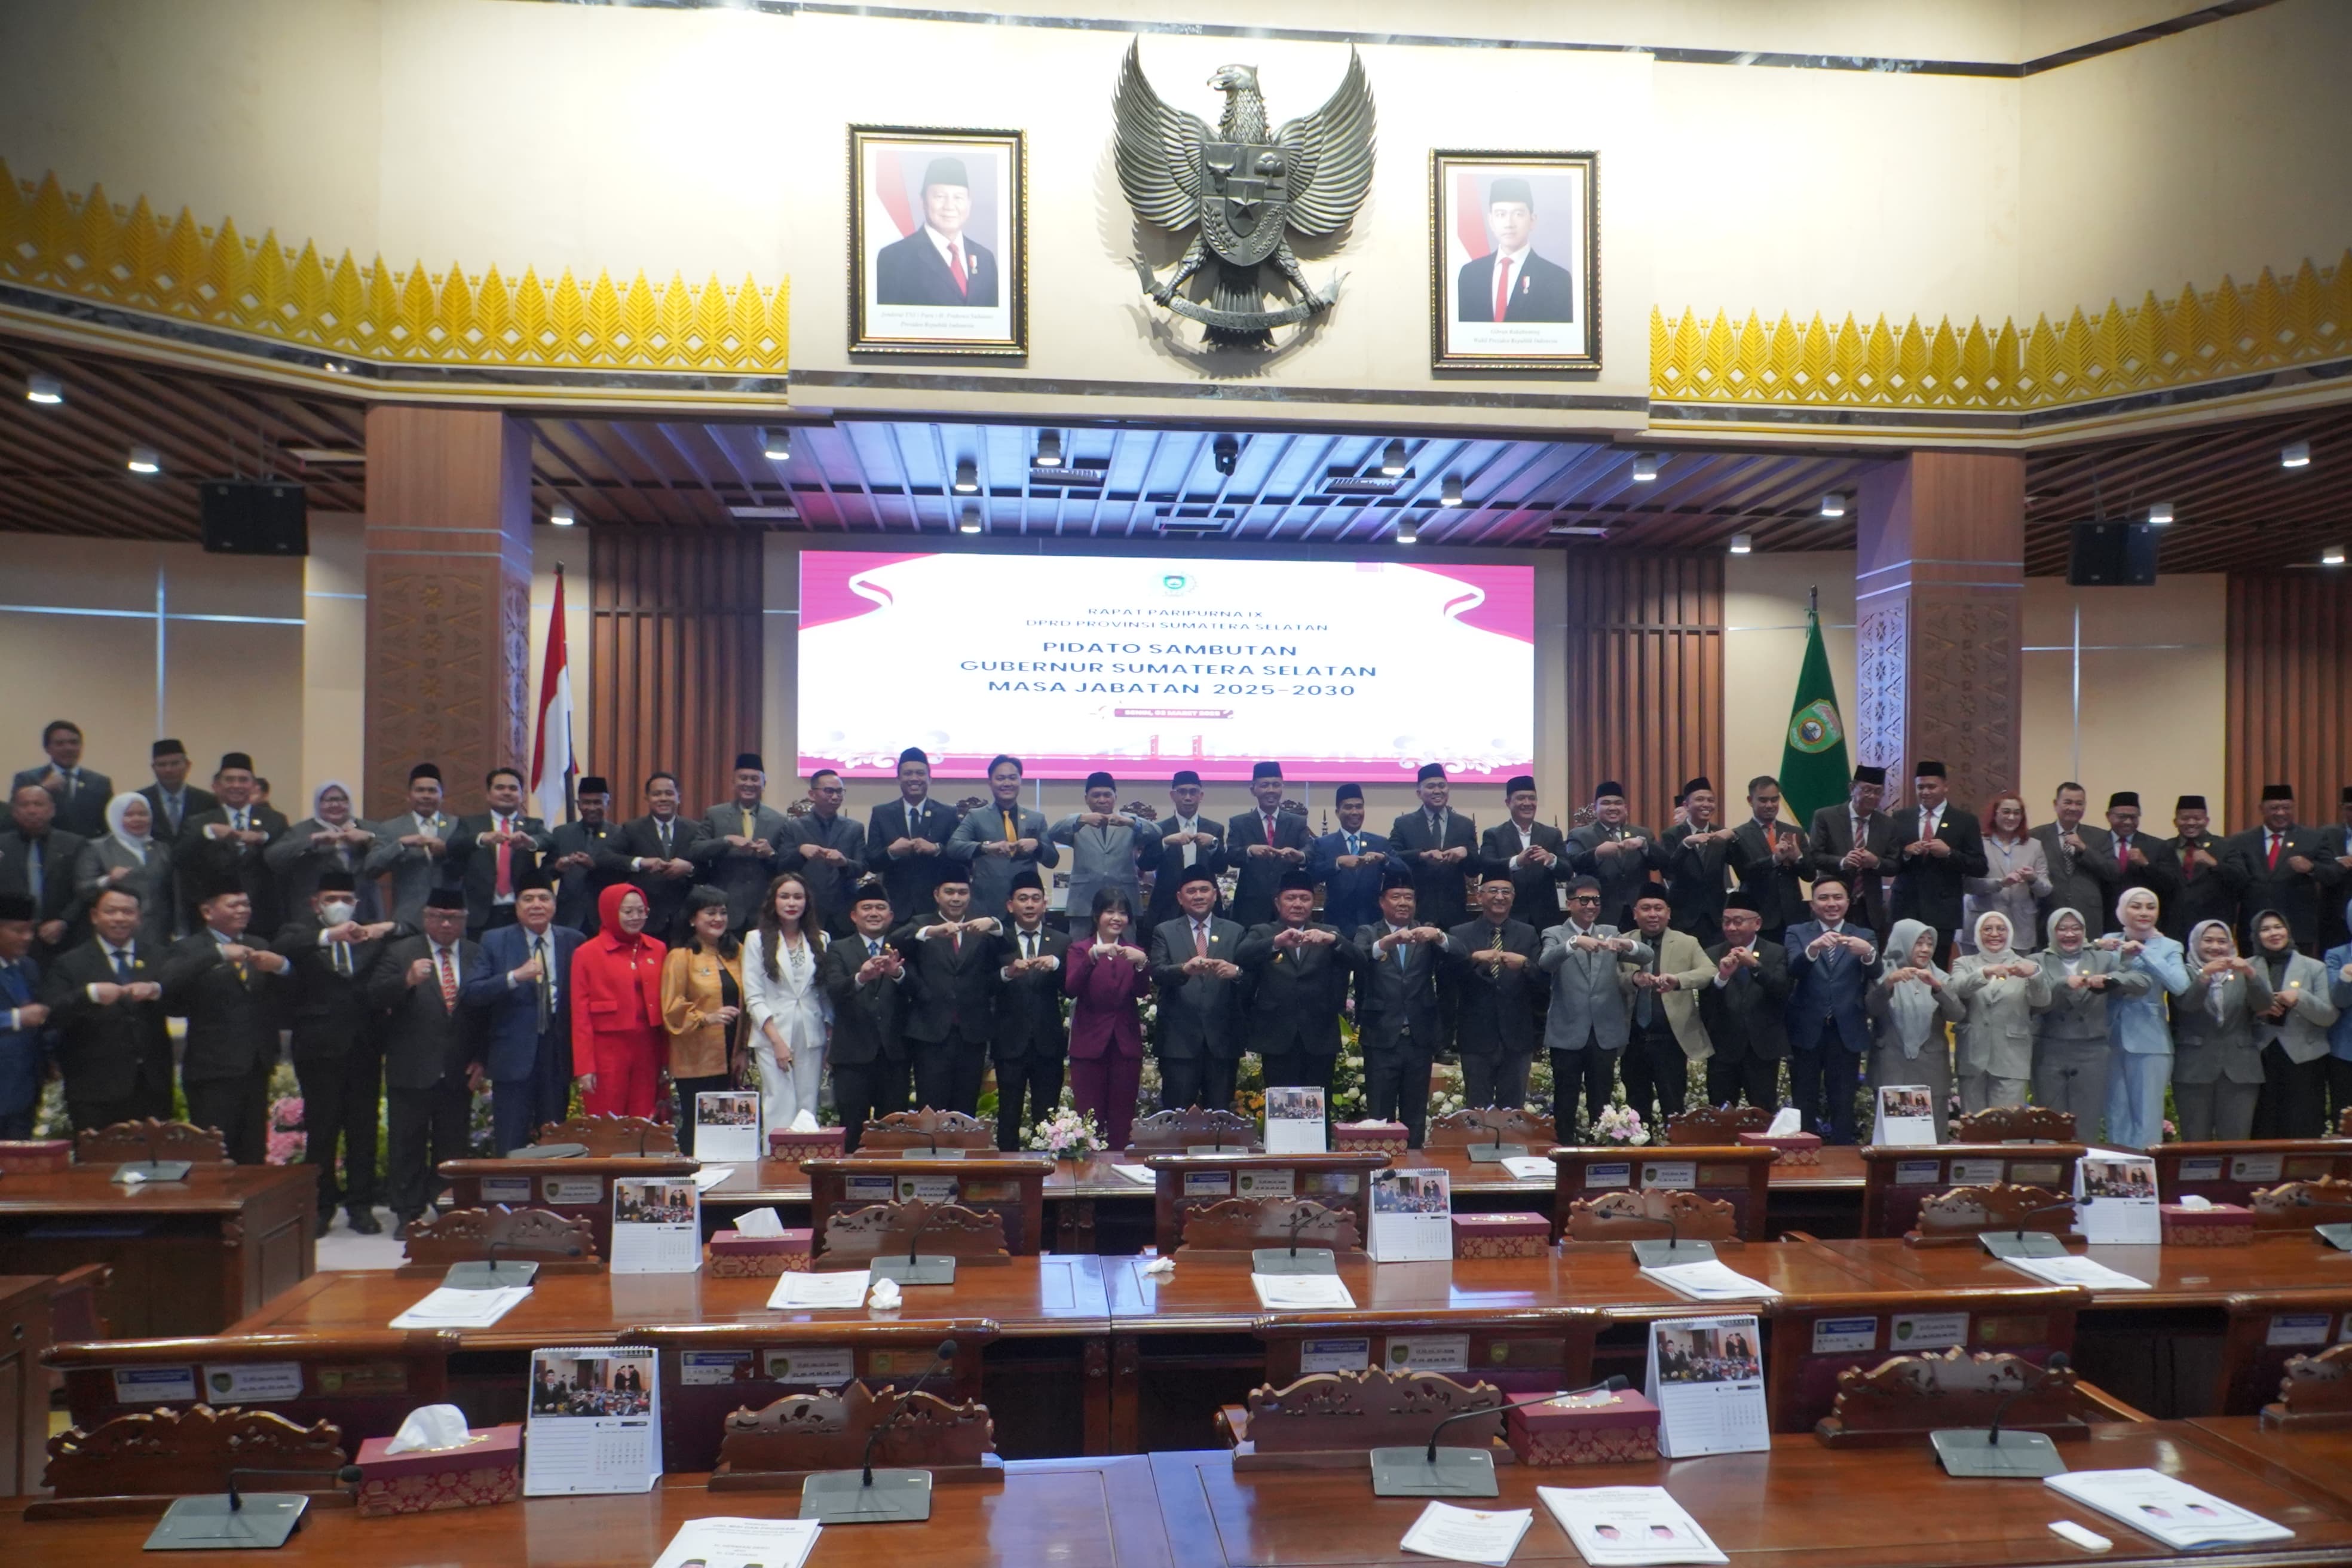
(1110, 977)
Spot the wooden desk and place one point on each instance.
(1082, 1513)
(2233, 1173)
(189, 1258)
(1800, 1506)
(24, 1383)
(2318, 1460)
(569, 1187)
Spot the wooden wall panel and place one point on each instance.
(1644, 678)
(674, 661)
(2290, 691)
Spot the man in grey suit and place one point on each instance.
(414, 847)
(742, 843)
(1396, 1007)
(828, 848)
(1187, 841)
(1613, 852)
(1199, 1039)
(1004, 839)
(1262, 845)
(2081, 859)
(1106, 849)
(82, 792)
(1588, 1023)
(1855, 841)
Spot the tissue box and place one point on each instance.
(1796, 1148)
(734, 1257)
(1501, 1236)
(1369, 1137)
(32, 1156)
(472, 1476)
(1622, 1431)
(2224, 1224)
(825, 1144)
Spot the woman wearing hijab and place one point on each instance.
(2002, 989)
(128, 857)
(618, 1043)
(2017, 874)
(330, 838)
(702, 1006)
(2291, 1033)
(792, 1016)
(1909, 1007)
(2136, 1031)
(2070, 1036)
(2217, 1067)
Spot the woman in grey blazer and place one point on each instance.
(1909, 1007)
(2291, 1033)
(2217, 1068)
(2002, 989)
(128, 857)
(2070, 1036)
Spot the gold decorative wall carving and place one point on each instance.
(86, 248)
(2195, 336)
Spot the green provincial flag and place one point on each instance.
(1815, 772)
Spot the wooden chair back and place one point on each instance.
(1650, 1213)
(2268, 1329)
(1233, 1229)
(559, 1244)
(1965, 1213)
(2233, 1173)
(1901, 1400)
(1897, 1181)
(150, 1140)
(925, 1129)
(363, 1382)
(2297, 1206)
(1355, 1412)
(852, 1238)
(775, 1446)
(1184, 1184)
(1010, 1187)
(2015, 1124)
(614, 1137)
(1522, 1350)
(135, 1461)
(2316, 1391)
(1491, 1125)
(580, 1188)
(1172, 1131)
(1716, 1124)
(1816, 1341)
(1733, 1174)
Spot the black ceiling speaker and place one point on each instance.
(244, 517)
(2112, 556)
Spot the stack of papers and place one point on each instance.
(838, 1287)
(1531, 1167)
(2172, 1511)
(740, 1543)
(1629, 1527)
(706, 1178)
(447, 1308)
(2073, 1269)
(1465, 1534)
(1302, 1292)
(1143, 1174)
(1710, 1281)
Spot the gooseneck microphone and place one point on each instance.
(944, 1357)
(2057, 1363)
(349, 1476)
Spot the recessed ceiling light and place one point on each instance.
(1742, 544)
(1392, 459)
(1833, 505)
(2333, 555)
(970, 522)
(327, 453)
(1049, 448)
(1450, 493)
(44, 389)
(2160, 513)
(143, 460)
(776, 443)
(2295, 455)
(1408, 532)
(560, 516)
(967, 478)
(334, 367)
(1645, 466)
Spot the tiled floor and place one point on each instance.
(341, 1248)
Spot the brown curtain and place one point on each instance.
(674, 671)
(2290, 702)
(1644, 677)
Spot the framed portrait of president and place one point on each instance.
(1515, 260)
(939, 241)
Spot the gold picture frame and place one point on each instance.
(910, 235)
(1543, 312)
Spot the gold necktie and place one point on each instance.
(747, 822)
(1011, 835)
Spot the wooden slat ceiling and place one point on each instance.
(61, 471)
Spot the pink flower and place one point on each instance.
(287, 1112)
(285, 1148)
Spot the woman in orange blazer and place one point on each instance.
(702, 1005)
(618, 1045)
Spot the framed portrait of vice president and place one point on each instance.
(1515, 260)
(939, 241)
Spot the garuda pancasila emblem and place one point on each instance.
(1244, 184)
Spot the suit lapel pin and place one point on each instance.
(1525, 283)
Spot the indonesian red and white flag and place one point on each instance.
(553, 765)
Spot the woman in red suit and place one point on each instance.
(1110, 978)
(618, 1045)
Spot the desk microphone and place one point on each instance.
(348, 1476)
(1609, 1385)
(2057, 1363)
(1299, 1220)
(944, 1355)
(2063, 1205)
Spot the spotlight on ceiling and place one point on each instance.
(2160, 513)
(1049, 448)
(1833, 505)
(44, 389)
(560, 515)
(1225, 452)
(2295, 455)
(1450, 492)
(1392, 459)
(143, 460)
(1742, 544)
(776, 443)
(970, 522)
(967, 479)
(1645, 466)
(1408, 532)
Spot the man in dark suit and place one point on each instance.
(2082, 861)
(432, 1049)
(1745, 1008)
(1855, 843)
(1768, 856)
(742, 843)
(1614, 851)
(2142, 859)
(1694, 855)
(1436, 843)
(1187, 840)
(1264, 844)
(37, 859)
(172, 799)
(225, 844)
(654, 856)
(584, 856)
(1939, 845)
(228, 990)
(828, 849)
(1352, 864)
(1830, 967)
(1202, 993)
(491, 848)
(2284, 867)
(1396, 960)
(907, 840)
(1533, 854)
(939, 264)
(2209, 882)
(952, 981)
(1030, 1042)
(80, 792)
(524, 990)
(2335, 928)
(23, 1019)
(105, 1005)
(338, 1053)
(1511, 282)
(1488, 961)
(1299, 973)
(864, 976)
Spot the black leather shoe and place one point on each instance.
(326, 1221)
(399, 1231)
(364, 1223)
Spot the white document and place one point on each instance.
(1906, 1118)
(740, 1543)
(2073, 1270)
(447, 1308)
(1710, 1280)
(1531, 1167)
(1629, 1527)
(2172, 1511)
(1465, 1534)
(1294, 1122)
(594, 1422)
(1706, 1378)
(657, 1226)
(841, 1288)
(1143, 1174)
(726, 1125)
(1302, 1292)
(2115, 1199)
(1413, 1217)
(710, 1176)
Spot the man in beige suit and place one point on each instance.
(1662, 995)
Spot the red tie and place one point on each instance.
(1269, 831)
(2275, 849)
(505, 887)
(1200, 940)
(955, 265)
(448, 982)
(1502, 285)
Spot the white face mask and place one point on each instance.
(335, 911)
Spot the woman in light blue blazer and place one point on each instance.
(2137, 1027)
(2338, 963)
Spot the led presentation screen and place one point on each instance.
(1343, 671)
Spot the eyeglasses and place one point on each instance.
(1585, 899)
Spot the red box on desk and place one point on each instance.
(1796, 1148)
(1369, 1137)
(33, 1156)
(825, 1144)
(2224, 1224)
(1501, 1236)
(1622, 1430)
(475, 1476)
(737, 1257)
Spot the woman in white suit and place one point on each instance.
(2002, 989)
(791, 1016)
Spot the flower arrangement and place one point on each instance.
(1067, 1135)
(287, 1137)
(1620, 1123)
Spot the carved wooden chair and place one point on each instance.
(2316, 1392)
(138, 1464)
(2296, 1205)
(776, 1447)
(1491, 1125)
(925, 1129)
(1328, 1412)
(1652, 1213)
(1905, 1397)
(2015, 1124)
(608, 1137)
(559, 1244)
(855, 1237)
(150, 1140)
(1235, 1228)
(1173, 1131)
(1963, 1214)
(1716, 1124)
